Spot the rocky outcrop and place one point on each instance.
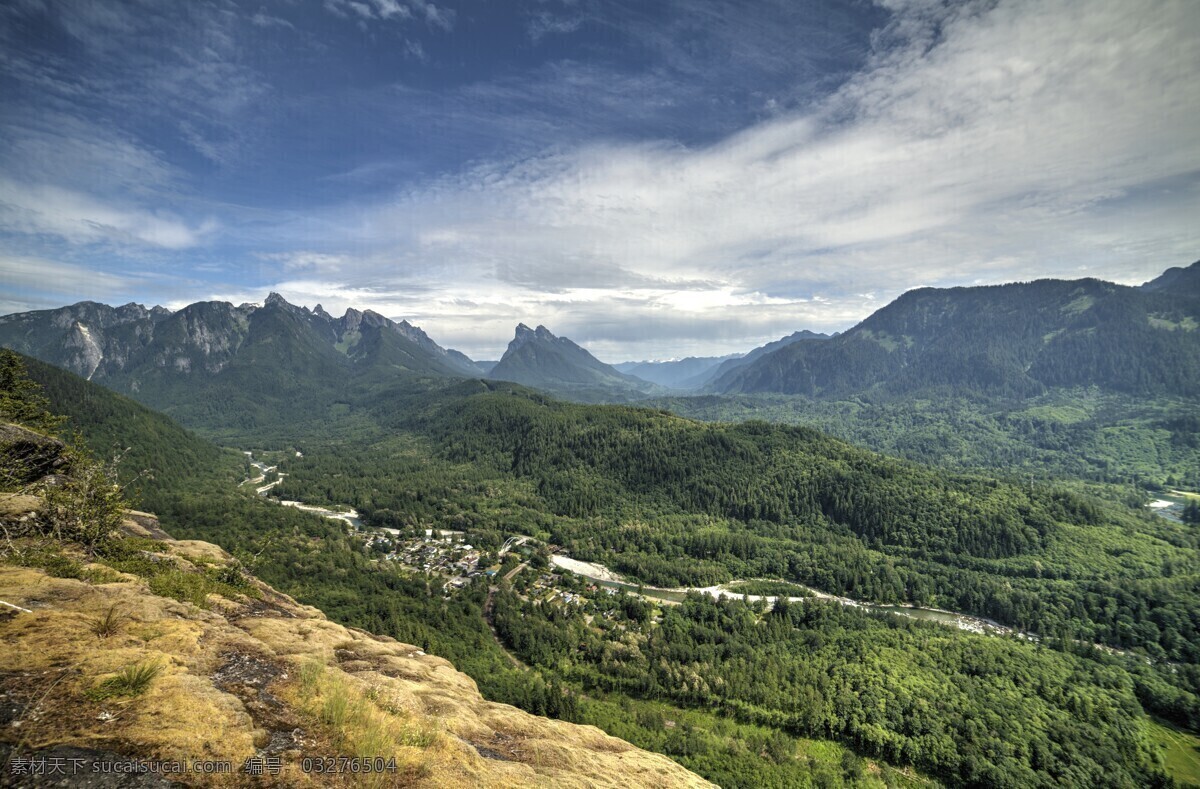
(28, 456)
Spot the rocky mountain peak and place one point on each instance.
(523, 335)
(373, 318)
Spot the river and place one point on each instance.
(350, 516)
(1170, 504)
(602, 576)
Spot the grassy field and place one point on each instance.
(1182, 751)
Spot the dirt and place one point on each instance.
(501, 747)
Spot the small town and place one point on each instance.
(447, 554)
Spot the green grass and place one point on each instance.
(1182, 751)
(132, 680)
(51, 559)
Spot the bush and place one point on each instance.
(87, 507)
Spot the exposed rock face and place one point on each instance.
(257, 677)
(84, 352)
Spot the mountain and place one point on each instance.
(537, 358)
(672, 374)
(218, 366)
(1009, 340)
(84, 336)
(707, 377)
(1177, 280)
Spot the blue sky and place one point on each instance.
(652, 179)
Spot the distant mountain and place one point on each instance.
(1179, 281)
(537, 358)
(674, 373)
(1008, 340)
(213, 364)
(704, 379)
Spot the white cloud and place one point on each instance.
(82, 219)
(30, 283)
(983, 143)
(393, 10)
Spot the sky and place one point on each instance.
(652, 178)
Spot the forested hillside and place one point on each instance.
(1131, 443)
(322, 564)
(675, 502)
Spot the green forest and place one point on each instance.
(1119, 444)
(973, 711)
(673, 502)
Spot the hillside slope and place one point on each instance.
(251, 673)
(729, 365)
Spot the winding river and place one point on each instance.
(602, 576)
(350, 516)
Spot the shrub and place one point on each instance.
(87, 507)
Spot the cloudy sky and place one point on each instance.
(653, 179)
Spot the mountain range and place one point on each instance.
(675, 373)
(696, 372)
(129, 343)
(213, 362)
